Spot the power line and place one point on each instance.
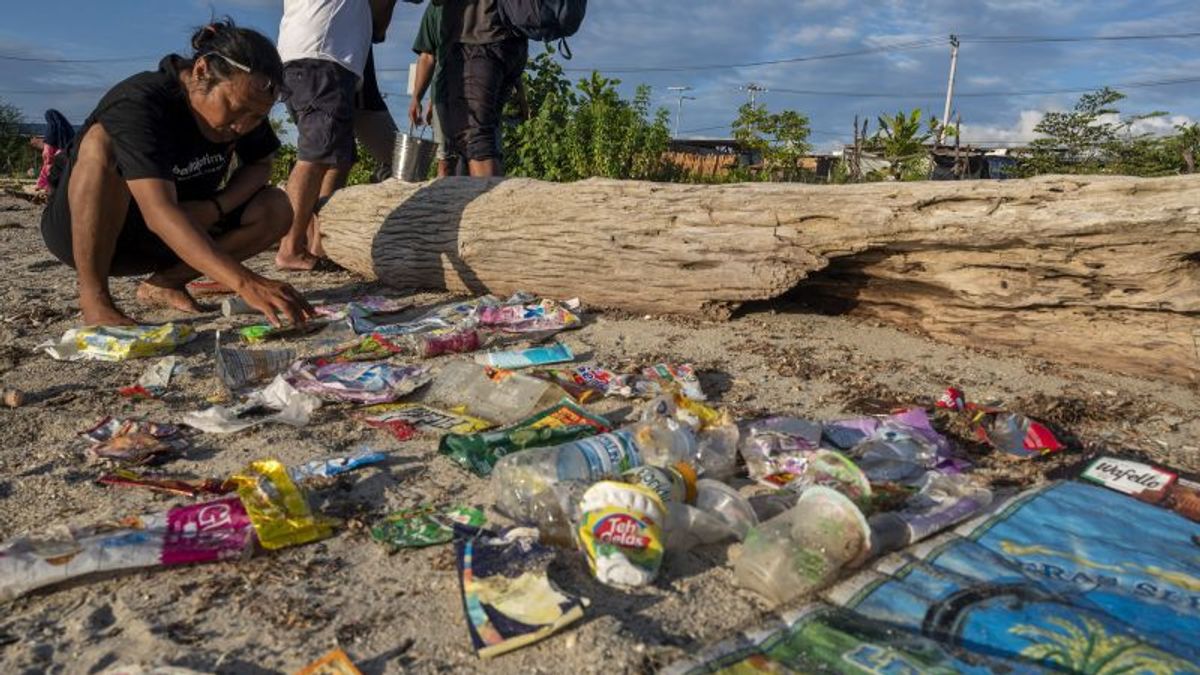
(116, 59)
(901, 46)
(988, 94)
(1033, 39)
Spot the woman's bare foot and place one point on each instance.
(297, 262)
(163, 296)
(105, 315)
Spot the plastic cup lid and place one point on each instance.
(835, 498)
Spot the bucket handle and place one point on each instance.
(420, 130)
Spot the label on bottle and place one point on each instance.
(608, 455)
(667, 482)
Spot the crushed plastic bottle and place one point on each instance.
(499, 396)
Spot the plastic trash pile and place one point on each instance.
(806, 502)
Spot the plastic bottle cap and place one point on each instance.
(688, 473)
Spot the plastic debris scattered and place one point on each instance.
(280, 402)
(122, 442)
(404, 420)
(357, 382)
(508, 599)
(479, 452)
(527, 358)
(238, 368)
(118, 343)
(428, 526)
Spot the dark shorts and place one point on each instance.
(138, 251)
(479, 81)
(321, 104)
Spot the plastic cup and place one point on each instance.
(831, 469)
(805, 548)
(727, 504)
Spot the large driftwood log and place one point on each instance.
(1100, 271)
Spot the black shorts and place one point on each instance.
(321, 104)
(479, 81)
(138, 251)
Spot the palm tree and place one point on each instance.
(901, 141)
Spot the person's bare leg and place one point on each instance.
(485, 168)
(99, 201)
(266, 219)
(303, 190)
(334, 180)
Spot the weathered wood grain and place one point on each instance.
(1100, 271)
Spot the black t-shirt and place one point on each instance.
(155, 135)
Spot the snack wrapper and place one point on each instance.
(428, 526)
(187, 487)
(403, 417)
(278, 508)
(621, 532)
(525, 358)
(665, 377)
(373, 347)
(507, 596)
(324, 469)
(264, 332)
(132, 442)
(197, 533)
(336, 662)
(565, 422)
(533, 317)
(118, 343)
(358, 382)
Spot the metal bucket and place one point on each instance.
(414, 156)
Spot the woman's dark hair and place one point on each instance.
(229, 50)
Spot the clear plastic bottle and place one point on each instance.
(555, 510)
(497, 396)
(520, 477)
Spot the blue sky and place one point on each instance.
(689, 33)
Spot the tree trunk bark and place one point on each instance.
(1100, 271)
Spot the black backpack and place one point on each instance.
(544, 20)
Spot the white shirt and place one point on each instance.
(333, 30)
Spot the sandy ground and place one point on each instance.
(402, 612)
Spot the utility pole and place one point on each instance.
(949, 88)
(752, 91)
(682, 98)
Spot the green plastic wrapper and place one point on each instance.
(427, 526)
(563, 423)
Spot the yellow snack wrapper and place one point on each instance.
(336, 662)
(709, 417)
(118, 343)
(277, 508)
